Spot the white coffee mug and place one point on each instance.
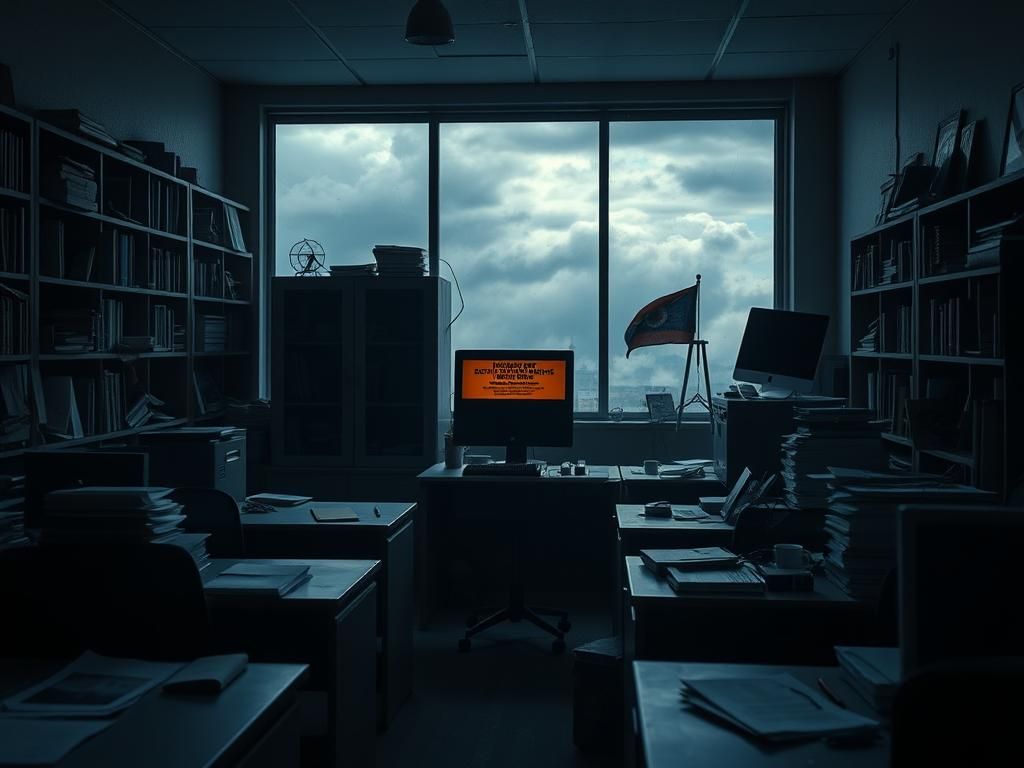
(791, 556)
(651, 466)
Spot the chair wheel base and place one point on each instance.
(465, 644)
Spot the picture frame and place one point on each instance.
(661, 406)
(947, 136)
(1013, 143)
(965, 156)
(913, 182)
(886, 191)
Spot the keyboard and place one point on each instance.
(501, 470)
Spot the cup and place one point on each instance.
(452, 453)
(651, 466)
(791, 556)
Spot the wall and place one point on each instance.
(952, 55)
(78, 53)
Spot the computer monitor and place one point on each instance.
(56, 470)
(513, 397)
(959, 584)
(780, 350)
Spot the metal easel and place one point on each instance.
(702, 354)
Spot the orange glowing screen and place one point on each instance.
(513, 379)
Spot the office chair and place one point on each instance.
(138, 600)
(962, 712)
(208, 510)
(516, 609)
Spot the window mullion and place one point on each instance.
(602, 269)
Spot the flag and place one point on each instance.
(671, 319)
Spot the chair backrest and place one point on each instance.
(137, 600)
(208, 510)
(959, 713)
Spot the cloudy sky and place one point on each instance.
(519, 209)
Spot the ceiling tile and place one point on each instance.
(485, 40)
(204, 13)
(584, 11)
(639, 39)
(240, 44)
(379, 13)
(510, 69)
(281, 72)
(761, 8)
(805, 33)
(756, 66)
(622, 68)
(375, 43)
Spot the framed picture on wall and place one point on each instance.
(964, 156)
(942, 156)
(1013, 146)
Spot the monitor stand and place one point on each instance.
(515, 454)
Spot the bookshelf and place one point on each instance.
(932, 307)
(120, 316)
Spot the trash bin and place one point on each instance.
(597, 696)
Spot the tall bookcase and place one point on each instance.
(933, 306)
(360, 371)
(107, 254)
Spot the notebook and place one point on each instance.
(742, 580)
(259, 579)
(209, 674)
(658, 560)
(335, 514)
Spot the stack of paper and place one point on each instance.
(265, 579)
(775, 708)
(827, 436)
(743, 579)
(861, 522)
(141, 513)
(659, 560)
(400, 261)
(340, 270)
(873, 672)
(193, 543)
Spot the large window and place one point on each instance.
(518, 217)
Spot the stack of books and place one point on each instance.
(989, 241)
(133, 345)
(12, 240)
(825, 437)
(194, 544)
(71, 330)
(861, 522)
(75, 121)
(869, 341)
(874, 673)
(72, 183)
(138, 513)
(168, 334)
(13, 321)
(896, 268)
(400, 261)
(142, 411)
(340, 270)
(703, 570)
(259, 579)
(211, 333)
(12, 160)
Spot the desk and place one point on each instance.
(672, 735)
(639, 488)
(252, 722)
(766, 628)
(568, 521)
(390, 538)
(329, 623)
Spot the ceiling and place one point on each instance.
(360, 42)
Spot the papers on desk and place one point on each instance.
(775, 708)
(266, 579)
(684, 471)
(278, 499)
(91, 686)
(659, 560)
(743, 580)
(26, 741)
(874, 673)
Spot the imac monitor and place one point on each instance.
(959, 584)
(513, 397)
(780, 350)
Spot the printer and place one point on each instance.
(198, 457)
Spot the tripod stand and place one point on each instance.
(702, 354)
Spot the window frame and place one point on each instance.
(777, 112)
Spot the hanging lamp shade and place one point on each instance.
(429, 23)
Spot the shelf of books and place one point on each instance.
(114, 320)
(931, 308)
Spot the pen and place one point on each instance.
(376, 511)
(830, 693)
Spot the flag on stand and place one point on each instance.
(672, 319)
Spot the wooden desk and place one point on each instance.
(766, 628)
(566, 524)
(638, 532)
(293, 532)
(639, 487)
(330, 623)
(671, 734)
(253, 722)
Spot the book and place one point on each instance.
(744, 579)
(334, 514)
(873, 672)
(208, 674)
(263, 579)
(659, 560)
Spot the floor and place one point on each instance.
(506, 703)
